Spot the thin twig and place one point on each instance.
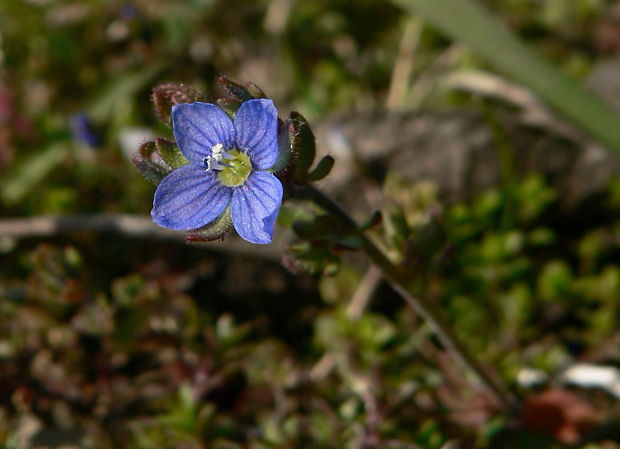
(130, 226)
(357, 305)
(399, 280)
(363, 292)
(323, 367)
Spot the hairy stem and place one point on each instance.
(399, 280)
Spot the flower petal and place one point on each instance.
(256, 124)
(198, 127)
(189, 198)
(254, 207)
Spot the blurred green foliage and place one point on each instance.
(166, 351)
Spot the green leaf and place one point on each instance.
(554, 283)
(121, 91)
(290, 214)
(322, 169)
(303, 147)
(468, 22)
(31, 171)
(254, 90)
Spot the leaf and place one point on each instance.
(120, 91)
(302, 144)
(322, 169)
(149, 162)
(467, 21)
(31, 172)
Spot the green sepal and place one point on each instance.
(254, 90)
(234, 90)
(229, 106)
(149, 163)
(284, 150)
(167, 95)
(170, 153)
(322, 169)
(216, 230)
(147, 170)
(302, 144)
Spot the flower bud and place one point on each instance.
(170, 153)
(229, 106)
(149, 163)
(167, 95)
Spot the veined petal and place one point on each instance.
(256, 124)
(198, 127)
(254, 207)
(189, 198)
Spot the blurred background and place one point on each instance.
(117, 339)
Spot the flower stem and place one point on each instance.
(399, 280)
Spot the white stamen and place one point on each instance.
(217, 150)
(217, 154)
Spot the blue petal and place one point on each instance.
(256, 123)
(198, 127)
(189, 198)
(254, 207)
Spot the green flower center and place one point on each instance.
(236, 169)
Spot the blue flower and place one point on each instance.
(83, 130)
(228, 168)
